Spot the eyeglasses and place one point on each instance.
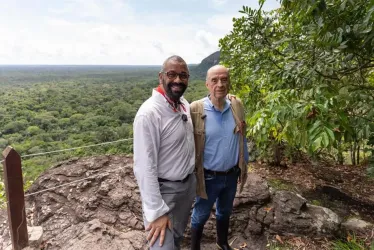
(172, 75)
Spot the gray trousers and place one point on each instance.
(179, 198)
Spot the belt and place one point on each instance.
(221, 172)
(182, 181)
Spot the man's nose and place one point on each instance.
(178, 79)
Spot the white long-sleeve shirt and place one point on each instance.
(163, 148)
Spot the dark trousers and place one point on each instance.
(220, 189)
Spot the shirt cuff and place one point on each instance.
(153, 214)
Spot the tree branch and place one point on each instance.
(355, 69)
(336, 78)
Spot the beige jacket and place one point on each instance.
(198, 120)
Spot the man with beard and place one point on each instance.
(164, 157)
(221, 155)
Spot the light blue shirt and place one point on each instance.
(221, 150)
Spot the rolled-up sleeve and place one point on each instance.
(146, 147)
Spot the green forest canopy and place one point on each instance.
(47, 108)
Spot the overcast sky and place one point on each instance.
(125, 32)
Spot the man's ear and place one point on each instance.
(160, 77)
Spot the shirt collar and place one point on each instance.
(211, 106)
(158, 97)
(162, 100)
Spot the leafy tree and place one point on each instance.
(196, 90)
(64, 123)
(125, 131)
(124, 112)
(15, 126)
(3, 143)
(45, 120)
(304, 72)
(76, 117)
(33, 130)
(106, 133)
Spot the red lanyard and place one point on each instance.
(172, 103)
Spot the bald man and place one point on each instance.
(164, 157)
(221, 155)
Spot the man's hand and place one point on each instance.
(158, 228)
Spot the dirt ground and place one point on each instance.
(347, 190)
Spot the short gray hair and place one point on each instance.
(173, 58)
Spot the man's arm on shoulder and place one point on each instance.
(146, 147)
(193, 106)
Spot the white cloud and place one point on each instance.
(70, 42)
(158, 45)
(219, 3)
(106, 32)
(206, 39)
(99, 10)
(221, 24)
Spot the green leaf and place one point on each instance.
(330, 133)
(367, 30)
(342, 6)
(313, 131)
(343, 91)
(317, 144)
(325, 139)
(342, 46)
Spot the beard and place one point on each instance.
(174, 94)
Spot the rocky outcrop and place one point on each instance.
(94, 203)
(358, 227)
(283, 212)
(200, 70)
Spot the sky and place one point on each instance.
(114, 32)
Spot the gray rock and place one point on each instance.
(292, 216)
(325, 221)
(256, 191)
(35, 236)
(289, 202)
(357, 226)
(253, 228)
(95, 235)
(103, 211)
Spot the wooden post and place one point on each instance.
(16, 198)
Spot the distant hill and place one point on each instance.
(199, 71)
